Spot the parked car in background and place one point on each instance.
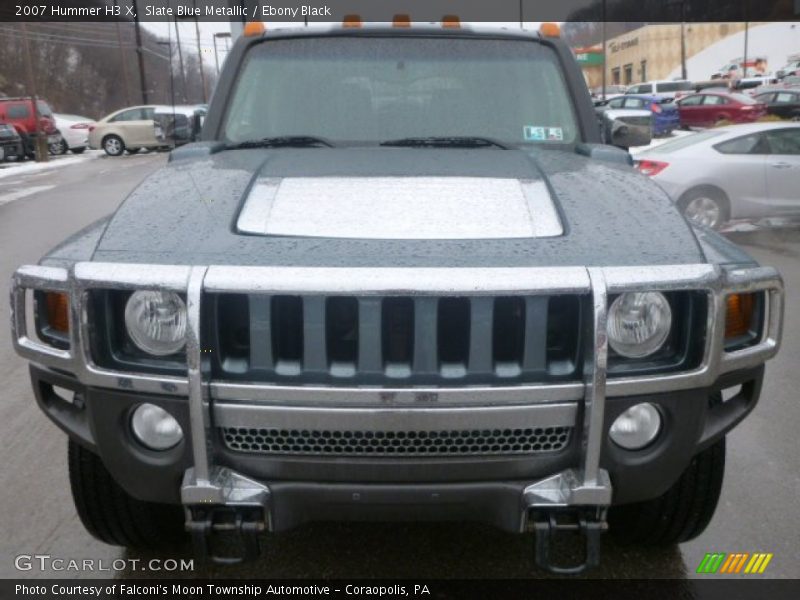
(19, 113)
(751, 84)
(127, 130)
(791, 68)
(10, 143)
(664, 114)
(177, 125)
(74, 132)
(735, 172)
(710, 108)
(669, 90)
(782, 103)
(611, 91)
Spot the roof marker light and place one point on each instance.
(351, 21)
(254, 28)
(451, 22)
(401, 21)
(550, 29)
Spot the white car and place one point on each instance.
(667, 90)
(74, 132)
(747, 171)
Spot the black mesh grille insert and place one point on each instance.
(477, 442)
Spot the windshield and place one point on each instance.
(373, 89)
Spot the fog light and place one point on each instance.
(155, 428)
(636, 427)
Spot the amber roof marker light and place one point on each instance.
(451, 22)
(550, 29)
(351, 21)
(254, 28)
(401, 20)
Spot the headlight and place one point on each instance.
(156, 321)
(638, 323)
(155, 428)
(637, 427)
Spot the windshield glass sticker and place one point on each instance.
(532, 133)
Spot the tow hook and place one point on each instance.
(212, 526)
(588, 523)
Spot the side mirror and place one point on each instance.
(627, 128)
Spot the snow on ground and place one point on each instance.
(9, 169)
(775, 41)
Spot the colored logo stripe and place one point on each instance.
(711, 562)
(758, 564)
(721, 562)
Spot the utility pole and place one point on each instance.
(226, 37)
(139, 53)
(200, 53)
(744, 61)
(180, 60)
(42, 153)
(122, 61)
(683, 40)
(604, 52)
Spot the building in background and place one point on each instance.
(653, 52)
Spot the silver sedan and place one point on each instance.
(739, 172)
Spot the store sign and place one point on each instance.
(615, 47)
(589, 59)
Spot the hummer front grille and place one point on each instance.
(458, 340)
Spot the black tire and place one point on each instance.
(683, 512)
(78, 150)
(113, 145)
(701, 195)
(59, 148)
(132, 150)
(113, 516)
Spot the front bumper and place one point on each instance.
(279, 492)
(499, 490)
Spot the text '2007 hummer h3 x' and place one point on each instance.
(399, 278)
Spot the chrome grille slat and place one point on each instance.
(447, 443)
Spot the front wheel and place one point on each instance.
(112, 515)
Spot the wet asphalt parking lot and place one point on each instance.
(757, 511)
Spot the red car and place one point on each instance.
(19, 113)
(709, 108)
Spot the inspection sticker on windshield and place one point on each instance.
(543, 134)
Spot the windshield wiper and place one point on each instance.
(445, 142)
(284, 141)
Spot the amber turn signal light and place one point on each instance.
(739, 312)
(57, 311)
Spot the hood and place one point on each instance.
(365, 207)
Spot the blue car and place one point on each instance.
(665, 116)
